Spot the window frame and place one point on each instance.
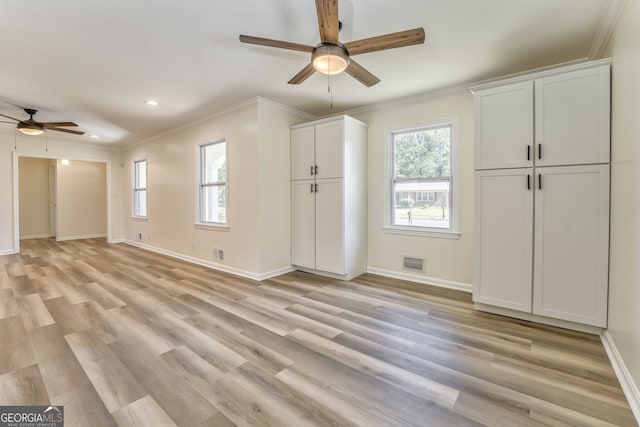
(200, 185)
(389, 198)
(137, 189)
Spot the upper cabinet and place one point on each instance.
(504, 126)
(572, 117)
(555, 118)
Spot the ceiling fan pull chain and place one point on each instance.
(46, 143)
(15, 139)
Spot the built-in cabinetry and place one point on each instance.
(328, 197)
(542, 195)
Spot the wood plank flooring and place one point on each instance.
(122, 336)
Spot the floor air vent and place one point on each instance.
(413, 264)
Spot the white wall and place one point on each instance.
(81, 191)
(448, 261)
(34, 198)
(36, 147)
(624, 274)
(257, 242)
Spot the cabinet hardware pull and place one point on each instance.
(311, 169)
(316, 168)
(312, 188)
(540, 151)
(528, 182)
(539, 181)
(528, 152)
(316, 188)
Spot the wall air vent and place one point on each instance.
(413, 264)
(218, 254)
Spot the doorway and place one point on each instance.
(60, 198)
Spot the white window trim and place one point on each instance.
(198, 224)
(388, 227)
(146, 189)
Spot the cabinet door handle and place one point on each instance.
(528, 152)
(316, 170)
(528, 182)
(539, 181)
(312, 188)
(316, 188)
(311, 169)
(540, 151)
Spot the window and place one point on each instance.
(422, 179)
(140, 188)
(213, 183)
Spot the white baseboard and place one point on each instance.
(629, 387)
(213, 265)
(88, 236)
(117, 241)
(36, 236)
(7, 252)
(421, 279)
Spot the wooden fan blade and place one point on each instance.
(2, 121)
(75, 132)
(275, 43)
(9, 117)
(359, 73)
(303, 75)
(327, 11)
(387, 41)
(56, 124)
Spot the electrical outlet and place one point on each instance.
(139, 236)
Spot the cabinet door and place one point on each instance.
(302, 153)
(330, 149)
(572, 118)
(504, 238)
(330, 242)
(504, 126)
(303, 242)
(571, 243)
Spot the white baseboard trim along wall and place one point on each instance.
(629, 387)
(89, 236)
(213, 265)
(421, 279)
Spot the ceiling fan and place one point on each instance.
(32, 127)
(332, 57)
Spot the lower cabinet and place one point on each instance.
(318, 219)
(542, 241)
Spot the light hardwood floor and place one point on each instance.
(121, 336)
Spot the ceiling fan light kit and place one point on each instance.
(31, 129)
(330, 59)
(331, 56)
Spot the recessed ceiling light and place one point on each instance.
(151, 102)
(93, 136)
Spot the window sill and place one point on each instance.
(212, 227)
(414, 231)
(140, 218)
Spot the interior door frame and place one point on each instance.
(16, 192)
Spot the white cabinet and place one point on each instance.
(328, 191)
(572, 243)
(504, 238)
(572, 113)
(504, 126)
(542, 208)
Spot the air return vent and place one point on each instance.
(413, 264)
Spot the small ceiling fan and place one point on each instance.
(32, 127)
(332, 57)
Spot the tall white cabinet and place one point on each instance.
(542, 196)
(328, 197)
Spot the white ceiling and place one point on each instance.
(96, 62)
